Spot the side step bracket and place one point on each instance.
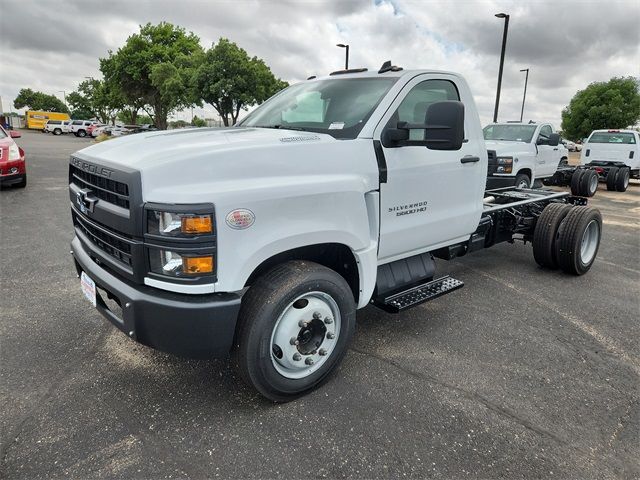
(401, 301)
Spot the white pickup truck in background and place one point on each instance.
(525, 152)
(609, 156)
(262, 240)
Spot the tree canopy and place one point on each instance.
(34, 100)
(154, 68)
(98, 98)
(612, 104)
(231, 81)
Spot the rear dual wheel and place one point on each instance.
(567, 237)
(295, 325)
(584, 182)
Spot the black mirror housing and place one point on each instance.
(394, 136)
(553, 140)
(445, 127)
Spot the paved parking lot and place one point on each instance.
(522, 373)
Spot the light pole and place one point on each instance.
(504, 46)
(346, 59)
(64, 96)
(524, 95)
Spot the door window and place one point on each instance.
(545, 132)
(413, 108)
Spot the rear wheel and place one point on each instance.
(622, 182)
(294, 327)
(612, 176)
(522, 181)
(578, 240)
(575, 181)
(589, 183)
(544, 236)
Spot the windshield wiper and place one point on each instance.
(284, 127)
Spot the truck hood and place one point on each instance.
(193, 165)
(504, 148)
(158, 149)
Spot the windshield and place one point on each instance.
(613, 137)
(338, 107)
(510, 133)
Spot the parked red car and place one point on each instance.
(13, 170)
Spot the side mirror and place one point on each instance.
(553, 140)
(14, 134)
(445, 130)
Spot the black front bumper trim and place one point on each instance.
(197, 326)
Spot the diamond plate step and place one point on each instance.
(419, 294)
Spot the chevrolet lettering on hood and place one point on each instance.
(88, 167)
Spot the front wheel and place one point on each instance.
(57, 131)
(522, 180)
(295, 325)
(82, 133)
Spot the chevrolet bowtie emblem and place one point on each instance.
(86, 200)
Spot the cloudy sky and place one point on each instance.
(52, 45)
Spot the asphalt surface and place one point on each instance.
(524, 373)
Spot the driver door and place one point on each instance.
(432, 198)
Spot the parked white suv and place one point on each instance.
(79, 127)
(524, 152)
(57, 127)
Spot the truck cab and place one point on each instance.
(262, 240)
(525, 152)
(613, 148)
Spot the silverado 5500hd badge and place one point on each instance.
(409, 209)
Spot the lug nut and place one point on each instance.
(294, 341)
(303, 324)
(331, 336)
(328, 320)
(309, 361)
(297, 357)
(322, 352)
(317, 315)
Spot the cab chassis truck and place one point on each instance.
(262, 240)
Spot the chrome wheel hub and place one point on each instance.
(589, 242)
(305, 335)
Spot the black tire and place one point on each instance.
(262, 307)
(57, 131)
(622, 181)
(612, 175)
(521, 179)
(23, 183)
(589, 183)
(575, 181)
(82, 133)
(545, 234)
(569, 243)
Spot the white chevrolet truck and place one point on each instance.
(262, 240)
(609, 156)
(525, 152)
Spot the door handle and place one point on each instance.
(555, 149)
(469, 159)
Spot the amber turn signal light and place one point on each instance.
(197, 224)
(195, 265)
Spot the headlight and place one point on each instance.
(505, 165)
(173, 264)
(14, 152)
(173, 224)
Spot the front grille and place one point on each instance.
(105, 189)
(108, 242)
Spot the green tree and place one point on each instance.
(612, 104)
(198, 122)
(231, 81)
(97, 98)
(154, 68)
(34, 100)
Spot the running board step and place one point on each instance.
(422, 293)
